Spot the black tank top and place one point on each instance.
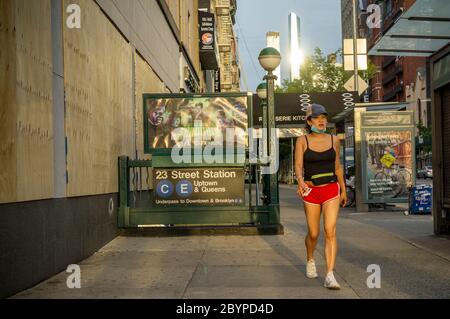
(315, 163)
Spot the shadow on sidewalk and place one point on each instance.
(405, 272)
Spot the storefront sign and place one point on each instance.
(290, 108)
(207, 41)
(217, 81)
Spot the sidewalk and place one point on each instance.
(267, 266)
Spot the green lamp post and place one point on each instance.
(270, 59)
(261, 91)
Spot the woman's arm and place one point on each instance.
(338, 167)
(299, 149)
(339, 171)
(299, 159)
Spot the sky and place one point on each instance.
(320, 25)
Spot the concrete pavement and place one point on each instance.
(413, 263)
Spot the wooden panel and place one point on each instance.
(99, 116)
(195, 40)
(189, 31)
(174, 8)
(8, 116)
(34, 100)
(27, 142)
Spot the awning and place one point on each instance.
(290, 108)
(421, 31)
(291, 132)
(377, 106)
(284, 132)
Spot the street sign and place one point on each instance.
(349, 54)
(350, 85)
(199, 186)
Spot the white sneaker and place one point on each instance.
(330, 282)
(311, 271)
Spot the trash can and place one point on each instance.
(420, 199)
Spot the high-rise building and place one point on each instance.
(273, 40)
(294, 45)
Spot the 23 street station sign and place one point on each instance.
(290, 108)
(199, 186)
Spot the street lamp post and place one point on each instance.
(261, 91)
(270, 59)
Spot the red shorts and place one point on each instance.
(322, 194)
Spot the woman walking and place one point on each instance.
(321, 185)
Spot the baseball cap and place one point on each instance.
(315, 110)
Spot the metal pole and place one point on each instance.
(360, 206)
(292, 160)
(359, 162)
(265, 178)
(264, 109)
(355, 48)
(274, 207)
(124, 191)
(344, 148)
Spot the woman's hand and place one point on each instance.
(302, 188)
(343, 199)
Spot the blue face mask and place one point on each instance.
(316, 130)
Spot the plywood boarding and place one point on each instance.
(27, 145)
(193, 35)
(146, 81)
(189, 32)
(34, 100)
(174, 7)
(99, 112)
(8, 114)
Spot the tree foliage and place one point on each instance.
(320, 73)
(426, 134)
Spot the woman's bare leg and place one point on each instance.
(312, 213)
(330, 215)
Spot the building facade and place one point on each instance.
(71, 101)
(227, 77)
(403, 79)
(428, 41)
(440, 88)
(394, 73)
(347, 18)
